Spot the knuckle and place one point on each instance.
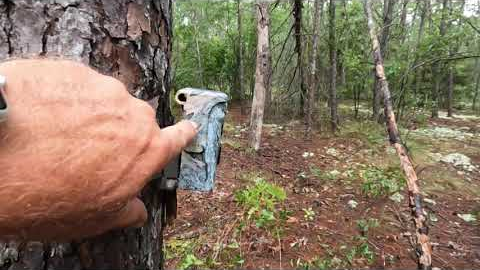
(144, 108)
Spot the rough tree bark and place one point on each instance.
(332, 46)
(130, 40)
(313, 72)
(437, 68)
(297, 24)
(262, 74)
(241, 90)
(388, 6)
(423, 249)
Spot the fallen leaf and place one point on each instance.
(292, 220)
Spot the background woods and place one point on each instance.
(419, 40)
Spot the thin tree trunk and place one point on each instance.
(321, 71)
(424, 250)
(403, 19)
(262, 74)
(454, 46)
(476, 72)
(240, 60)
(477, 83)
(313, 72)
(437, 69)
(297, 15)
(332, 44)
(132, 42)
(450, 92)
(421, 28)
(415, 11)
(197, 49)
(388, 6)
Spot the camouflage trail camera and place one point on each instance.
(198, 163)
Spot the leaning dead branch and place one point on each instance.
(423, 246)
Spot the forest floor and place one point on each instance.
(334, 201)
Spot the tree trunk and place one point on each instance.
(388, 6)
(450, 92)
(241, 76)
(297, 15)
(332, 45)
(403, 19)
(197, 49)
(322, 70)
(477, 83)
(130, 41)
(453, 49)
(421, 28)
(437, 69)
(262, 74)
(313, 72)
(424, 249)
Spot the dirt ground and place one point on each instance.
(326, 201)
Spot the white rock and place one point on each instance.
(352, 203)
(467, 217)
(459, 160)
(443, 133)
(308, 154)
(332, 152)
(430, 201)
(396, 197)
(334, 173)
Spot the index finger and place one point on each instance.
(165, 144)
(172, 140)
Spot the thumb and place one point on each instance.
(134, 214)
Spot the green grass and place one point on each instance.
(371, 133)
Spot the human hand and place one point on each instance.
(75, 151)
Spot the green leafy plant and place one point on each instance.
(361, 250)
(260, 202)
(183, 249)
(381, 182)
(365, 225)
(190, 261)
(323, 175)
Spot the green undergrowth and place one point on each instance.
(380, 182)
(261, 202)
